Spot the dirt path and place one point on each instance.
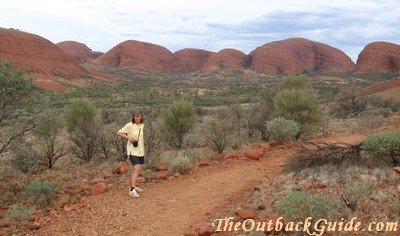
(172, 206)
(167, 208)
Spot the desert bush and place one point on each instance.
(385, 112)
(48, 147)
(16, 96)
(297, 105)
(19, 213)
(385, 146)
(78, 113)
(152, 134)
(354, 191)
(350, 103)
(370, 122)
(294, 82)
(178, 119)
(281, 129)
(300, 205)
(41, 194)
(181, 161)
(380, 102)
(85, 128)
(218, 132)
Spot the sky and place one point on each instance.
(213, 25)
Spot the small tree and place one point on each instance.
(299, 106)
(294, 82)
(218, 133)
(385, 146)
(178, 119)
(264, 112)
(281, 129)
(84, 127)
(16, 92)
(48, 146)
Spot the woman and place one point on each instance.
(133, 131)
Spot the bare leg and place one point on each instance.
(135, 173)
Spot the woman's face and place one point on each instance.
(138, 118)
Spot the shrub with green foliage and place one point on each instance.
(354, 191)
(41, 194)
(298, 105)
(179, 119)
(280, 129)
(294, 82)
(19, 213)
(385, 146)
(85, 128)
(16, 95)
(180, 162)
(78, 113)
(300, 205)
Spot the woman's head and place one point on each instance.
(137, 117)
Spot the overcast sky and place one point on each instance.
(207, 24)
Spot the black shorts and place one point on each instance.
(136, 160)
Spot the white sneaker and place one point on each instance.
(134, 193)
(138, 189)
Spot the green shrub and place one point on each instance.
(300, 205)
(78, 113)
(354, 191)
(181, 161)
(298, 105)
(294, 82)
(41, 194)
(385, 146)
(19, 213)
(179, 119)
(281, 129)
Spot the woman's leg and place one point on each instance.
(135, 173)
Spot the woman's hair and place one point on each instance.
(137, 113)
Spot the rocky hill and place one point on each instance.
(297, 54)
(79, 51)
(379, 57)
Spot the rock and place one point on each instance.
(79, 51)
(204, 163)
(33, 226)
(177, 175)
(136, 55)
(68, 208)
(246, 214)
(253, 154)
(161, 176)
(161, 168)
(192, 60)
(379, 57)
(203, 229)
(218, 156)
(230, 156)
(316, 185)
(43, 57)
(261, 206)
(106, 174)
(121, 168)
(98, 188)
(297, 54)
(226, 57)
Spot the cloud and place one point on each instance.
(208, 24)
